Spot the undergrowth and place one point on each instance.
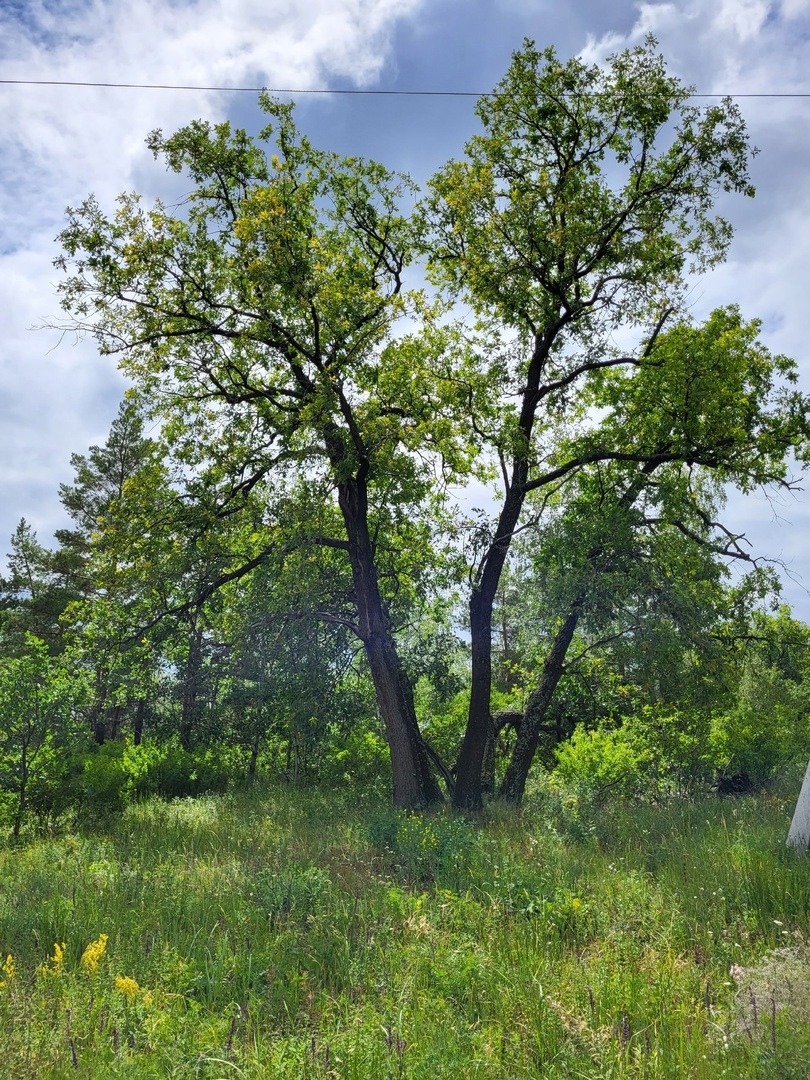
(285, 934)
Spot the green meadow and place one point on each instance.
(287, 933)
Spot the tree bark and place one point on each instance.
(23, 792)
(415, 786)
(469, 769)
(488, 763)
(514, 782)
(115, 722)
(254, 757)
(191, 683)
(137, 723)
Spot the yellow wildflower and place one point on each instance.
(93, 953)
(8, 970)
(127, 986)
(57, 960)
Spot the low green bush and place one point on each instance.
(109, 777)
(358, 758)
(650, 754)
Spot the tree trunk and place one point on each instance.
(191, 683)
(415, 786)
(23, 792)
(514, 782)
(254, 757)
(137, 723)
(488, 763)
(469, 768)
(115, 722)
(97, 712)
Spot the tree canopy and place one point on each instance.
(316, 410)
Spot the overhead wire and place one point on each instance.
(321, 90)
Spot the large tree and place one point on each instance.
(260, 322)
(573, 223)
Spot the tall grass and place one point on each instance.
(283, 934)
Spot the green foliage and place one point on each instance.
(122, 772)
(104, 779)
(601, 760)
(39, 703)
(575, 166)
(766, 725)
(356, 760)
(39, 586)
(651, 753)
(437, 848)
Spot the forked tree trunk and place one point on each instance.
(415, 786)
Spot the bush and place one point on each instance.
(40, 700)
(358, 758)
(111, 776)
(105, 782)
(173, 772)
(757, 743)
(653, 753)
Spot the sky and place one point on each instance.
(58, 144)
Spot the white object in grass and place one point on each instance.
(799, 835)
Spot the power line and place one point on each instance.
(246, 89)
(356, 93)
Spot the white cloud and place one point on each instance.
(794, 9)
(57, 144)
(745, 18)
(744, 46)
(96, 134)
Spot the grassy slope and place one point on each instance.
(290, 934)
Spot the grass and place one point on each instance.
(288, 934)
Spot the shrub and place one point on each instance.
(105, 782)
(171, 771)
(756, 743)
(358, 758)
(654, 752)
(111, 776)
(39, 701)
